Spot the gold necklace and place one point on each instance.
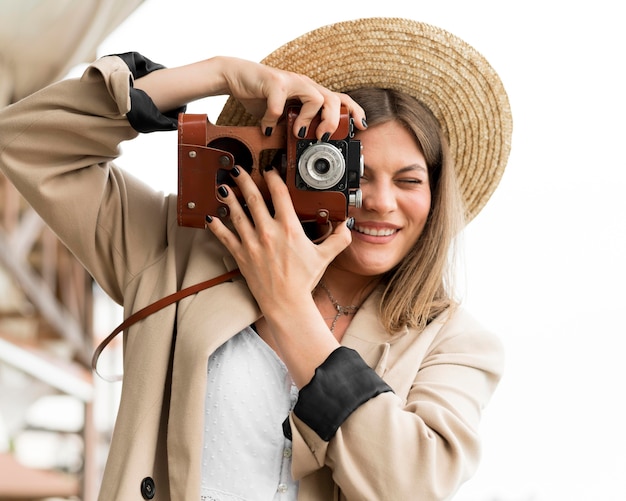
(341, 310)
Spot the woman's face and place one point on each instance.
(396, 201)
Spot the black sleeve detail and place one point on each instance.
(287, 429)
(144, 116)
(139, 65)
(340, 386)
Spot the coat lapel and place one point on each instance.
(205, 321)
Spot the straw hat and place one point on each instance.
(446, 74)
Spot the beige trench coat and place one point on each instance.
(419, 442)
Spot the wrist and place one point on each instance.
(297, 308)
(172, 88)
(301, 337)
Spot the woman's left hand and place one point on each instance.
(280, 263)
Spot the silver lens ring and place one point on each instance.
(321, 166)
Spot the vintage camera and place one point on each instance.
(322, 177)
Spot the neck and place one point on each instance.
(348, 288)
(339, 305)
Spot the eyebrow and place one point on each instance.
(402, 170)
(409, 168)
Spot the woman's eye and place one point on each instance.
(410, 181)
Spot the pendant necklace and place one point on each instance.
(341, 310)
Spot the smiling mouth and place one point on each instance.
(376, 232)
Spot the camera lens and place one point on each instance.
(321, 166)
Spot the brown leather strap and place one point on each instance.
(154, 307)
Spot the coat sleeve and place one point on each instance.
(423, 445)
(57, 146)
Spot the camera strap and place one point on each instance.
(152, 308)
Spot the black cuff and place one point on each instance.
(144, 116)
(340, 386)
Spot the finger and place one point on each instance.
(327, 107)
(309, 109)
(281, 86)
(223, 234)
(255, 203)
(237, 214)
(337, 241)
(355, 110)
(274, 111)
(281, 198)
(329, 116)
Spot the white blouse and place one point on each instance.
(249, 394)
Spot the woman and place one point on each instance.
(343, 370)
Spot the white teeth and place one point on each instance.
(376, 233)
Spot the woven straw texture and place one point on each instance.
(445, 73)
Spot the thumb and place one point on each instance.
(339, 239)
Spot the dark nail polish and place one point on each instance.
(235, 171)
(326, 137)
(269, 130)
(222, 191)
(208, 218)
(364, 122)
(350, 223)
(268, 168)
(302, 132)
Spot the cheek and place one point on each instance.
(417, 208)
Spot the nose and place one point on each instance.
(379, 197)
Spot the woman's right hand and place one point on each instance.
(263, 90)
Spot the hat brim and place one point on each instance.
(442, 71)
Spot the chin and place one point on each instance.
(364, 265)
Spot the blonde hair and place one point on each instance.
(420, 287)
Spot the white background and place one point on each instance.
(544, 261)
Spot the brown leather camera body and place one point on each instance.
(207, 152)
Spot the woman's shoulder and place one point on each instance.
(459, 330)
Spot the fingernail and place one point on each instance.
(268, 168)
(364, 122)
(269, 130)
(350, 223)
(302, 132)
(222, 191)
(208, 218)
(326, 137)
(235, 171)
